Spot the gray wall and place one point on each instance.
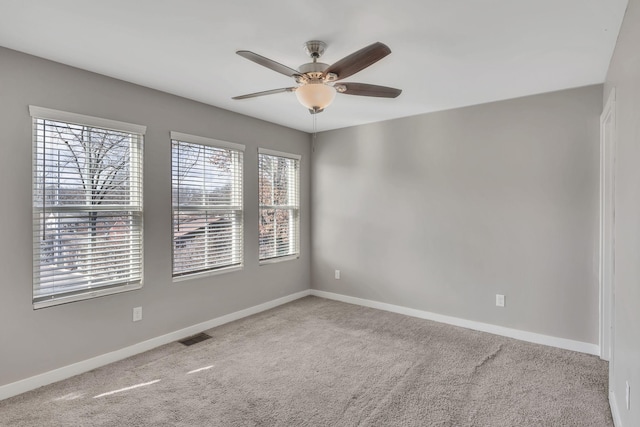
(624, 76)
(440, 212)
(33, 342)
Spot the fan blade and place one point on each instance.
(358, 61)
(266, 62)
(363, 89)
(266, 92)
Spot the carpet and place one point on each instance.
(316, 362)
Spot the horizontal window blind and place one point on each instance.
(87, 203)
(207, 205)
(279, 204)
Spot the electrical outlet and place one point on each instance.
(499, 300)
(337, 275)
(137, 314)
(628, 396)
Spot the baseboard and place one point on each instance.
(563, 343)
(615, 413)
(68, 371)
(65, 372)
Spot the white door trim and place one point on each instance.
(607, 226)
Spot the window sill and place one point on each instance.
(89, 294)
(216, 272)
(279, 259)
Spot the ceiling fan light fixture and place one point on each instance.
(315, 96)
(315, 80)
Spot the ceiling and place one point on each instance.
(446, 54)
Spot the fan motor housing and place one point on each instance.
(313, 67)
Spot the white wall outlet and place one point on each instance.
(628, 396)
(137, 313)
(337, 275)
(499, 300)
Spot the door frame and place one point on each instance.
(607, 227)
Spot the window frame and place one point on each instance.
(295, 210)
(216, 144)
(135, 162)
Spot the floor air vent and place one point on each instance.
(195, 339)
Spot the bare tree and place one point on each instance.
(101, 160)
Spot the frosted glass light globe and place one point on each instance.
(315, 96)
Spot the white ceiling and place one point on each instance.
(446, 54)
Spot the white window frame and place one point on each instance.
(238, 252)
(136, 205)
(294, 207)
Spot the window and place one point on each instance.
(279, 188)
(207, 205)
(87, 206)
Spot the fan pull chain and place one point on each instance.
(315, 132)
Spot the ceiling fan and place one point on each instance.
(316, 81)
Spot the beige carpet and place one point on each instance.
(316, 362)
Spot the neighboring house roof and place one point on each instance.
(191, 229)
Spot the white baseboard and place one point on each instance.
(615, 413)
(65, 372)
(563, 343)
(68, 371)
